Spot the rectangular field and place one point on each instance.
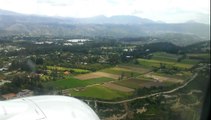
(70, 82)
(137, 83)
(160, 78)
(135, 68)
(96, 75)
(117, 87)
(65, 83)
(76, 70)
(163, 56)
(100, 92)
(156, 63)
(201, 56)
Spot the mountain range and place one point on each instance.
(120, 26)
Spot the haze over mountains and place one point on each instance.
(121, 26)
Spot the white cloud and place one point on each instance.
(165, 10)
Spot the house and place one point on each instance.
(66, 72)
(9, 96)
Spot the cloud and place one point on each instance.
(164, 10)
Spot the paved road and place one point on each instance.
(150, 95)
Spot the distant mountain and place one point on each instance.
(6, 12)
(120, 19)
(121, 26)
(178, 39)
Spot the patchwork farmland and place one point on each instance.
(123, 80)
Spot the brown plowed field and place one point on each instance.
(118, 87)
(96, 75)
(163, 78)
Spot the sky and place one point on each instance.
(170, 11)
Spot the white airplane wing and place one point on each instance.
(46, 108)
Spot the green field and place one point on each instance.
(97, 80)
(199, 56)
(132, 83)
(183, 75)
(189, 61)
(156, 63)
(68, 69)
(121, 71)
(99, 92)
(163, 56)
(70, 82)
(66, 83)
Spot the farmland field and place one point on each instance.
(156, 63)
(99, 92)
(121, 71)
(189, 61)
(160, 78)
(96, 75)
(184, 75)
(135, 68)
(199, 56)
(98, 80)
(137, 83)
(65, 83)
(162, 56)
(71, 82)
(132, 83)
(68, 69)
(118, 87)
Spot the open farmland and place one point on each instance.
(70, 82)
(138, 83)
(132, 83)
(66, 83)
(163, 56)
(135, 68)
(99, 92)
(75, 70)
(199, 56)
(156, 63)
(96, 75)
(160, 78)
(121, 72)
(118, 87)
(98, 80)
(183, 75)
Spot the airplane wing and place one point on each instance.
(46, 108)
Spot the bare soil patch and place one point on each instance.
(135, 69)
(163, 78)
(118, 87)
(96, 75)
